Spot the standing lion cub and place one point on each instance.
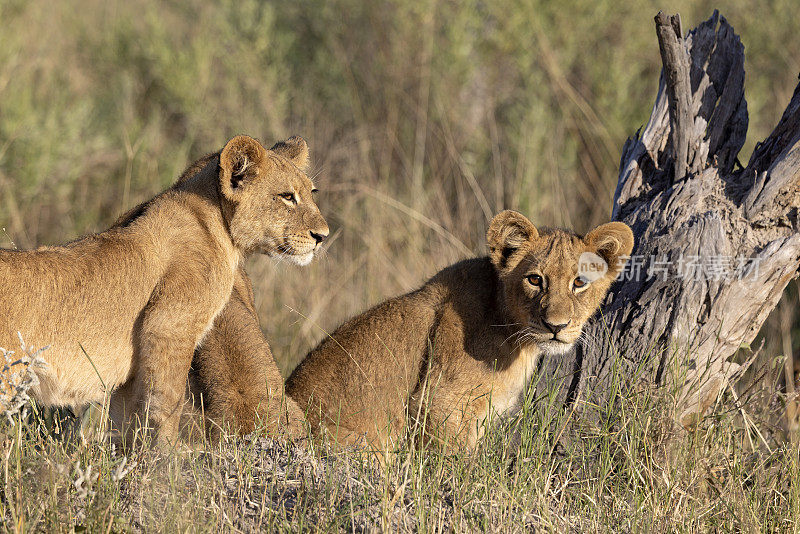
(129, 305)
(446, 357)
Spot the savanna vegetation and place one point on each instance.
(424, 119)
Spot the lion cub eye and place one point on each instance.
(579, 283)
(289, 196)
(534, 279)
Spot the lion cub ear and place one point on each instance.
(239, 163)
(295, 149)
(613, 242)
(508, 232)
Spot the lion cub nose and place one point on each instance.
(555, 328)
(319, 237)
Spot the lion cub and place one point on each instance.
(234, 382)
(462, 347)
(129, 305)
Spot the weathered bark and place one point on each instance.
(680, 193)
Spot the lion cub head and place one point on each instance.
(267, 199)
(553, 280)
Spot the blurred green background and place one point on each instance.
(424, 118)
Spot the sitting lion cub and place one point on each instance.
(129, 305)
(462, 347)
(234, 383)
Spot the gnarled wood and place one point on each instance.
(680, 193)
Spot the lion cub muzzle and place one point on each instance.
(300, 247)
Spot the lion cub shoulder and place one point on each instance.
(462, 347)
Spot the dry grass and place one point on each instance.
(17, 377)
(633, 473)
(424, 118)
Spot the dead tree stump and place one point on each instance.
(716, 243)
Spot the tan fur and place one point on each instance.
(129, 305)
(234, 382)
(446, 357)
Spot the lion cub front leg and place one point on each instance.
(172, 325)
